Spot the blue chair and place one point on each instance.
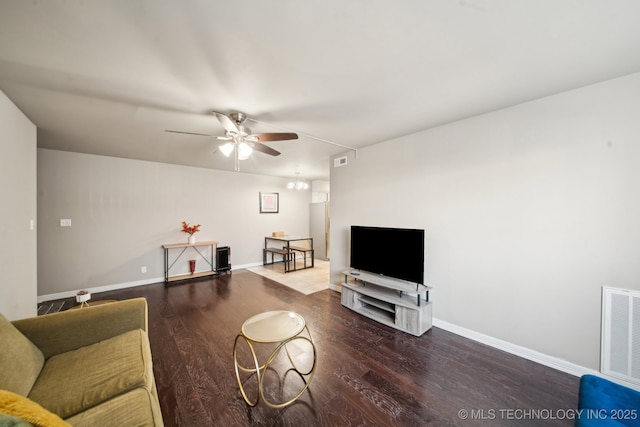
(604, 403)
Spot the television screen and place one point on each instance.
(392, 252)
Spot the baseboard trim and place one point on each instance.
(117, 286)
(516, 350)
(96, 289)
(252, 264)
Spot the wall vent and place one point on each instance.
(339, 161)
(620, 346)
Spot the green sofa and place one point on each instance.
(84, 367)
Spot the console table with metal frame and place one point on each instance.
(210, 261)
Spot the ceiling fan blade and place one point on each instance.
(274, 136)
(187, 133)
(264, 149)
(226, 122)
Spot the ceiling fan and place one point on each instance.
(239, 138)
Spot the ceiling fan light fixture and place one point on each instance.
(226, 149)
(244, 151)
(240, 140)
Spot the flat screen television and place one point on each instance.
(392, 252)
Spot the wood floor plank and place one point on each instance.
(366, 374)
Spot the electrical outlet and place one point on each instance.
(65, 223)
(143, 269)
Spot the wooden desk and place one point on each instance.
(184, 246)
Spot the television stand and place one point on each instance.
(398, 304)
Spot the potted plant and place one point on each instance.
(190, 230)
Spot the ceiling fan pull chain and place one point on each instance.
(237, 158)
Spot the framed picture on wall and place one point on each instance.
(269, 202)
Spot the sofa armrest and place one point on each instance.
(68, 330)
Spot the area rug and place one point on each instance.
(305, 281)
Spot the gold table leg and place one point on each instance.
(260, 369)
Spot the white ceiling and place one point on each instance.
(109, 77)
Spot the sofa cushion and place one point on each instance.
(20, 359)
(134, 408)
(77, 380)
(27, 411)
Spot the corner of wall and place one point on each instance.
(18, 238)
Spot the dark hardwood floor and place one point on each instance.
(367, 373)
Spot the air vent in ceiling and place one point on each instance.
(339, 161)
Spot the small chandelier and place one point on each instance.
(297, 183)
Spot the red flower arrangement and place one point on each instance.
(190, 229)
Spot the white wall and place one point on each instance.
(320, 191)
(528, 212)
(17, 212)
(123, 211)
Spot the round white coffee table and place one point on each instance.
(272, 327)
